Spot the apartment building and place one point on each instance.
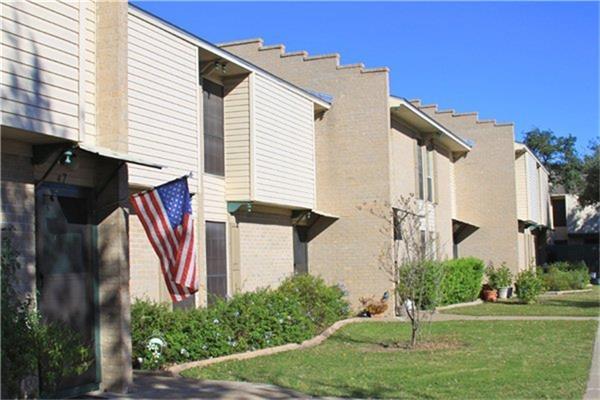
(248, 139)
(533, 207)
(65, 174)
(371, 148)
(575, 234)
(502, 194)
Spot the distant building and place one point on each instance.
(575, 235)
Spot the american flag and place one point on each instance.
(166, 214)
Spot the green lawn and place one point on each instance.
(580, 304)
(476, 360)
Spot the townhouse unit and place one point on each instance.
(533, 206)
(575, 234)
(371, 148)
(64, 174)
(248, 139)
(502, 200)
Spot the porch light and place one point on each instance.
(68, 158)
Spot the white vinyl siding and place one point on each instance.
(90, 71)
(215, 206)
(283, 139)
(521, 186)
(163, 103)
(40, 67)
(237, 139)
(533, 189)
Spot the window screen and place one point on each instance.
(216, 260)
(214, 149)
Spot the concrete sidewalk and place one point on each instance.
(163, 385)
(593, 387)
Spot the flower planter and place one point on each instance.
(503, 292)
(490, 295)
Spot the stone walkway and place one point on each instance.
(170, 385)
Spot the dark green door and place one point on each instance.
(65, 272)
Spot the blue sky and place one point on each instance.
(535, 64)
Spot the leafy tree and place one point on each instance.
(590, 194)
(559, 156)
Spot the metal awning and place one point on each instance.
(104, 152)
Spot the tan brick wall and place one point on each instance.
(485, 187)
(146, 279)
(265, 250)
(354, 135)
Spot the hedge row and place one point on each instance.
(300, 308)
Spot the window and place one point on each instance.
(397, 223)
(559, 212)
(300, 250)
(430, 173)
(216, 260)
(420, 170)
(214, 148)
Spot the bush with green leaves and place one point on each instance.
(300, 308)
(559, 277)
(528, 286)
(27, 342)
(499, 277)
(461, 280)
(420, 282)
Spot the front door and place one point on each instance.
(66, 275)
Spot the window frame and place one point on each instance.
(214, 161)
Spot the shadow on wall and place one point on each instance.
(28, 93)
(583, 219)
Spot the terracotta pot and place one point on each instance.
(490, 295)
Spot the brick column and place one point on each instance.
(111, 74)
(113, 265)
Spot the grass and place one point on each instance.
(577, 305)
(473, 360)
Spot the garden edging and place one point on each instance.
(458, 305)
(179, 368)
(559, 292)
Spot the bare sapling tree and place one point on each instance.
(409, 258)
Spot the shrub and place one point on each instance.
(420, 282)
(323, 304)
(564, 279)
(528, 286)
(499, 277)
(296, 311)
(461, 280)
(567, 266)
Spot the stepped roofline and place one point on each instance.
(302, 53)
(220, 53)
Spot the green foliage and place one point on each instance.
(421, 283)
(28, 342)
(565, 276)
(461, 280)
(296, 311)
(486, 357)
(590, 193)
(529, 286)
(559, 156)
(499, 277)
(323, 304)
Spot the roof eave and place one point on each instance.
(456, 143)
